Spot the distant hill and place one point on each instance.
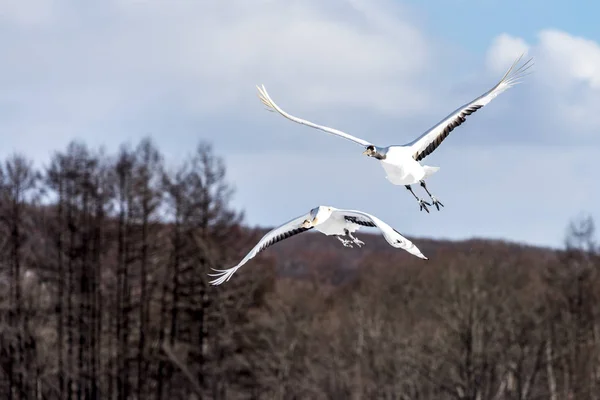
(314, 253)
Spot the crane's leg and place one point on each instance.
(435, 201)
(422, 204)
(345, 242)
(355, 240)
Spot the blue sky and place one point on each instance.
(474, 24)
(383, 70)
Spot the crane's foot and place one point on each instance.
(423, 205)
(345, 242)
(436, 203)
(358, 242)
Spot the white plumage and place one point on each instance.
(331, 222)
(402, 162)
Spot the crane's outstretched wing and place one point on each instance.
(430, 140)
(278, 234)
(267, 101)
(393, 237)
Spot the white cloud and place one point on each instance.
(213, 53)
(574, 59)
(503, 51)
(570, 81)
(564, 91)
(87, 70)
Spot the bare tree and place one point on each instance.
(18, 184)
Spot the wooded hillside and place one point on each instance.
(104, 295)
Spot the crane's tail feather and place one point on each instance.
(223, 275)
(430, 170)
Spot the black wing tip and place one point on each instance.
(283, 236)
(435, 143)
(357, 221)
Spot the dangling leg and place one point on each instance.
(435, 201)
(345, 242)
(355, 240)
(422, 204)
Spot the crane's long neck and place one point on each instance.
(380, 153)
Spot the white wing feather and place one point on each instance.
(430, 140)
(267, 101)
(278, 234)
(393, 237)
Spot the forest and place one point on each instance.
(104, 294)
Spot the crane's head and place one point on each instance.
(375, 152)
(317, 215)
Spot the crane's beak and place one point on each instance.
(365, 152)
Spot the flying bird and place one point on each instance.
(330, 221)
(402, 162)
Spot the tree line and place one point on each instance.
(104, 295)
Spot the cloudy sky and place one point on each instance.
(383, 70)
